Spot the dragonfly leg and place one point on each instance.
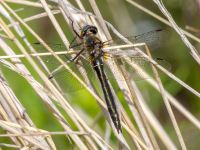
(72, 22)
(70, 45)
(77, 55)
(51, 75)
(75, 45)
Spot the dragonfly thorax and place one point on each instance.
(92, 42)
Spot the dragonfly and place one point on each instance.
(90, 44)
(93, 46)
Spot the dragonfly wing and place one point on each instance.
(147, 66)
(153, 38)
(67, 82)
(122, 53)
(56, 46)
(144, 64)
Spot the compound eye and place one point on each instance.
(93, 30)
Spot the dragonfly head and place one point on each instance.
(88, 29)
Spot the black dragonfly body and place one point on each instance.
(93, 45)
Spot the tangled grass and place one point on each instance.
(141, 128)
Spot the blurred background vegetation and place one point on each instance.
(129, 20)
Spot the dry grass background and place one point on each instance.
(141, 128)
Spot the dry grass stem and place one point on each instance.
(140, 126)
(166, 101)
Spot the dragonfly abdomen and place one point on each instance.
(109, 98)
